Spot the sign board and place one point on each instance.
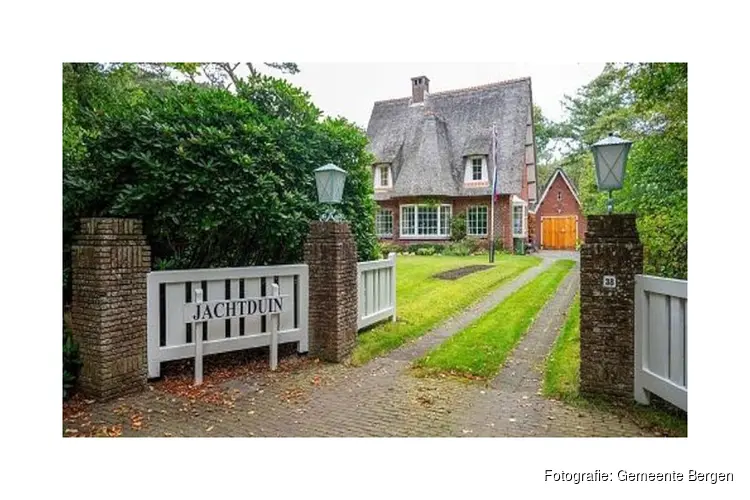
(200, 311)
(233, 308)
(609, 282)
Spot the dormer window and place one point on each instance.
(382, 176)
(476, 171)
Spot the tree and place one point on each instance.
(646, 103)
(219, 178)
(545, 135)
(225, 75)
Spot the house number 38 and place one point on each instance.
(609, 282)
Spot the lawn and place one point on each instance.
(562, 379)
(481, 348)
(423, 302)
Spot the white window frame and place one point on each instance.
(381, 211)
(518, 202)
(474, 167)
(377, 177)
(468, 219)
(385, 169)
(443, 232)
(469, 171)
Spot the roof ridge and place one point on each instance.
(465, 89)
(481, 87)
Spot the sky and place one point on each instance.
(350, 89)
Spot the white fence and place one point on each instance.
(236, 314)
(661, 339)
(376, 286)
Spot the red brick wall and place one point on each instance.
(460, 205)
(567, 205)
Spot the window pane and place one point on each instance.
(384, 176)
(407, 220)
(445, 220)
(477, 221)
(384, 223)
(476, 169)
(427, 220)
(517, 220)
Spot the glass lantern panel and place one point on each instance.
(610, 163)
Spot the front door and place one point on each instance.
(559, 233)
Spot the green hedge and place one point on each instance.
(219, 179)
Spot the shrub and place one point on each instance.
(458, 227)
(219, 179)
(426, 251)
(71, 362)
(432, 248)
(386, 248)
(460, 248)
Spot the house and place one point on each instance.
(557, 220)
(433, 160)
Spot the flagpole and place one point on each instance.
(492, 195)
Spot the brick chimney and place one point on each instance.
(420, 85)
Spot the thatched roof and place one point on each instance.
(426, 144)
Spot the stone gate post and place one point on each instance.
(110, 262)
(610, 258)
(331, 254)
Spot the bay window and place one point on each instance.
(425, 221)
(519, 218)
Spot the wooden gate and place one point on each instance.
(559, 233)
(660, 339)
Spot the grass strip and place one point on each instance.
(479, 350)
(562, 371)
(423, 302)
(562, 381)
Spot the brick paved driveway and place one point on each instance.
(382, 398)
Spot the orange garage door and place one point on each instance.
(559, 233)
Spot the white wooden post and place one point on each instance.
(152, 318)
(392, 258)
(198, 343)
(640, 342)
(274, 317)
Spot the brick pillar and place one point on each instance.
(612, 248)
(110, 262)
(331, 254)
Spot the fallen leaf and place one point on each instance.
(210, 429)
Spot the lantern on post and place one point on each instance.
(329, 180)
(610, 157)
